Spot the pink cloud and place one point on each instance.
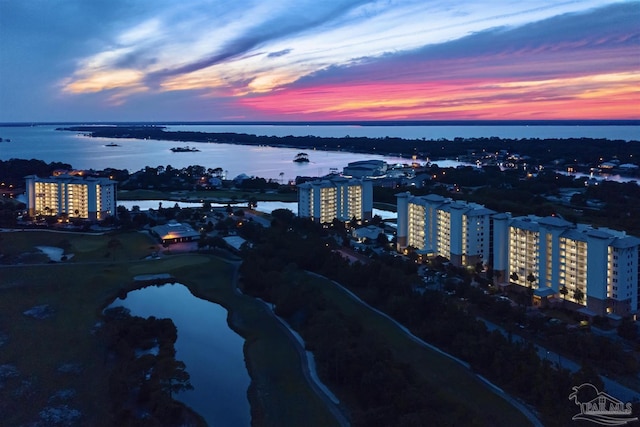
(497, 75)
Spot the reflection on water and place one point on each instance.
(49, 145)
(211, 351)
(601, 177)
(45, 143)
(266, 207)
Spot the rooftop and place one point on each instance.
(174, 230)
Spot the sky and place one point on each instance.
(308, 60)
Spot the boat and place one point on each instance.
(301, 158)
(186, 149)
(112, 144)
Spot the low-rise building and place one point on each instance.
(365, 169)
(368, 233)
(175, 232)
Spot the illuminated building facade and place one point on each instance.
(595, 268)
(327, 199)
(435, 225)
(71, 196)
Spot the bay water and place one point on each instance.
(45, 143)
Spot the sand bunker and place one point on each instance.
(54, 254)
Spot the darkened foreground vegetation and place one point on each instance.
(363, 370)
(144, 372)
(13, 171)
(57, 370)
(540, 151)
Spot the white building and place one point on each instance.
(435, 225)
(365, 169)
(593, 268)
(77, 197)
(368, 233)
(336, 197)
(598, 268)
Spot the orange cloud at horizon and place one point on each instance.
(599, 96)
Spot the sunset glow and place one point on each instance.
(306, 60)
(599, 96)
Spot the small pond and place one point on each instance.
(211, 351)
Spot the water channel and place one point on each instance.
(211, 351)
(265, 207)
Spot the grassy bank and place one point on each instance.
(453, 381)
(76, 292)
(279, 394)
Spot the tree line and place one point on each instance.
(144, 373)
(578, 150)
(292, 245)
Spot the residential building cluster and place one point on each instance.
(72, 196)
(596, 268)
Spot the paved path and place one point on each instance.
(307, 364)
(257, 219)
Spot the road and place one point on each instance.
(520, 406)
(612, 387)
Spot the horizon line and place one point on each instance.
(457, 122)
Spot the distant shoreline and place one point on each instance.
(605, 122)
(587, 152)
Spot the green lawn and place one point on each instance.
(451, 379)
(85, 248)
(79, 289)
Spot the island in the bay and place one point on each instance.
(364, 305)
(582, 153)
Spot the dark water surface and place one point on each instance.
(211, 351)
(45, 143)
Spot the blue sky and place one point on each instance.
(77, 60)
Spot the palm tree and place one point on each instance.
(531, 278)
(514, 277)
(578, 295)
(281, 177)
(564, 291)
